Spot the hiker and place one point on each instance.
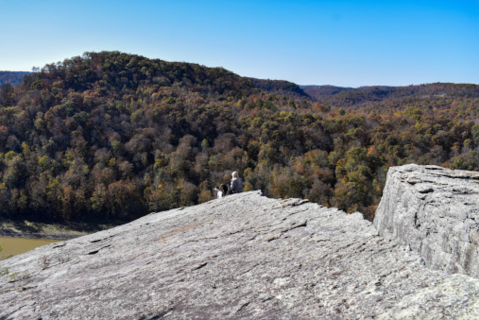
(236, 183)
(224, 188)
(220, 191)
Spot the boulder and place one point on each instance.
(243, 256)
(435, 211)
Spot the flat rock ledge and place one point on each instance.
(244, 256)
(435, 211)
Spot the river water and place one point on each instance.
(14, 246)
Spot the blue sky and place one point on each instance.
(345, 43)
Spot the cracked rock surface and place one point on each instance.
(435, 211)
(240, 257)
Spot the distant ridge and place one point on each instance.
(348, 97)
(323, 91)
(12, 77)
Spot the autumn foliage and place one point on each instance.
(113, 136)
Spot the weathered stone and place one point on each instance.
(435, 211)
(240, 257)
(455, 298)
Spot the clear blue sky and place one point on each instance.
(346, 43)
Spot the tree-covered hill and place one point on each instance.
(281, 87)
(113, 136)
(12, 77)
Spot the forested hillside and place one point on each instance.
(12, 77)
(113, 136)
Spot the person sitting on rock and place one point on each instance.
(236, 183)
(220, 191)
(224, 188)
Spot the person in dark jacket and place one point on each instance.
(236, 183)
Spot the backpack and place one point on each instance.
(240, 185)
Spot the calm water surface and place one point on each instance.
(14, 246)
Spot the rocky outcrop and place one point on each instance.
(240, 257)
(435, 211)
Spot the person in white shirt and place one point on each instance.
(221, 191)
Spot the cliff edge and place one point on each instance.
(244, 256)
(435, 211)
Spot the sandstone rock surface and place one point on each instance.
(240, 257)
(435, 211)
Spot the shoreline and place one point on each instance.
(38, 235)
(37, 230)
